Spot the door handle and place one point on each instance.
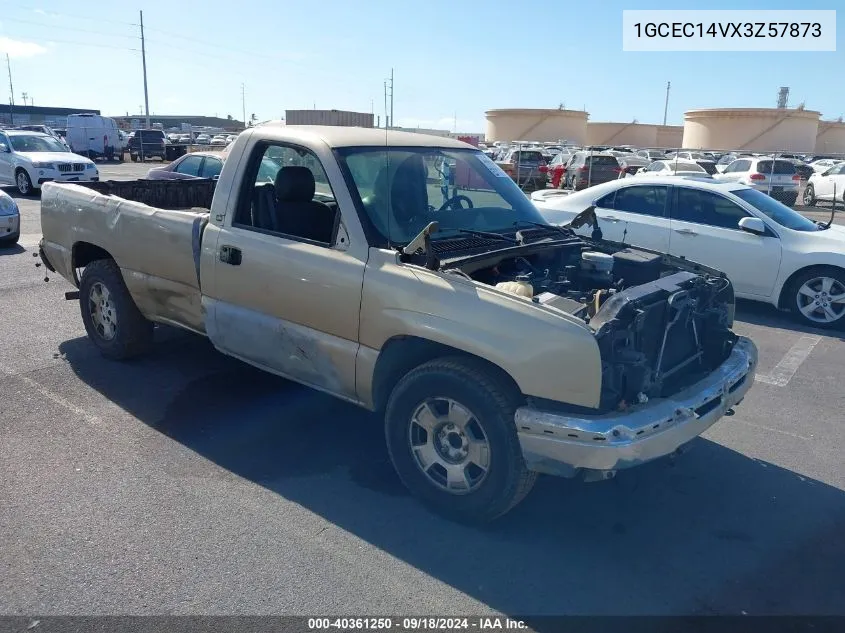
(230, 255)
(685, 232)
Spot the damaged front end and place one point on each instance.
(658, 337)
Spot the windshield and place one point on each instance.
(776, 211)
(682, 166)
(402, 189)
(34, 143)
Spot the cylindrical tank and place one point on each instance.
(752, 129)
(669, 136)
(636, 134)
(830, 138)
(532, 124)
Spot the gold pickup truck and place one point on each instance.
(495, 346)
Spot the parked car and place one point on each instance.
(770, 252)
(10, 220)
(824, 186)
(485, 372)
(527, 167)
(802, 168)
(673, 168)
(776, 177)
(189, 166)
(824, 164)
(29, 159)
(586, 169)
(220, 139)
(556, 169)
(651, 154)
(203, 139)
(147, 144)
(93, 136)
(689, 156)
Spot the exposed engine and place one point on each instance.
(659, 327)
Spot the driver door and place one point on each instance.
(6, 175)
(637, 215)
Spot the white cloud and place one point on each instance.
(19, 48)
(47, 13)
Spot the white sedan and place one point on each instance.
(824, 164)
(826, 185)
(29, 159)
(673, 168)
(768, 251)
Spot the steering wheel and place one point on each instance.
(455, 203)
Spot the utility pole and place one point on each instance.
(666, 107)
(144, 63)
(11, 92)
(392, 122)
(243, 103)
(386, 115)
(24, 96)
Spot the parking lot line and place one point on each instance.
(791, 361)
(51, 395)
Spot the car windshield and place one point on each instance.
(403, 189)
(776, 211)
(682, 166)
(35, 143)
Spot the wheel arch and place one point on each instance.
(83, 253)
(401, 354)
(787, 286)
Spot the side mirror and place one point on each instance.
(753, 225)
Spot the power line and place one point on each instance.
(119, 48)
(70, 28)
(214, 45)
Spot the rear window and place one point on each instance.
(682, 166)
(528, 157)
(152, 135)
(780, 167)
(601, 161)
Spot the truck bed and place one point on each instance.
(156, 247)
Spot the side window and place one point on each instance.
(211, 167)
(607, 201)
(741, 165)
(643, 200)
(286, 192)
(189, 166)
(704, 207)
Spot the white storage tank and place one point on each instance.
(536, 124)
(636, 134)
(752, 129)
(830, 138)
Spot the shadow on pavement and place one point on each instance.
(14, 249)
(714, 533)
(758, 313)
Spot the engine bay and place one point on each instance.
(660, 325)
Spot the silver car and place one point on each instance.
(775, 177)
(10, 220)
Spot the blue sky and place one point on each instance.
(453, 59)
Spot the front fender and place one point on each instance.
(548, 354)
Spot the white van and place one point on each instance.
(93, 136)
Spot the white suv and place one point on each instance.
(775, 177)
(29, 159)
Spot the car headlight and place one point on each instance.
(44, 165)
(8, 206)
(90, 166)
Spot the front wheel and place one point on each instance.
(112, 320)
(818, 298)
(451, 436)
(23, 182)
(809, 198)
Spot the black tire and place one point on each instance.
(492, 403)
(791, 300)
(133, 334)
(23, 183)
(809, 198)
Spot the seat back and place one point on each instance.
(296, 211)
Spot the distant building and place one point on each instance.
(39, 115)
(178, 122)
(329, 117)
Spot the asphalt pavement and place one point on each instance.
(189, 483)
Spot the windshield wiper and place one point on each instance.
(557, 228)
(497, 236)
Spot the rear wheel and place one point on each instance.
(450, 432)
(817, 297)
(809, 198)
(112, 320)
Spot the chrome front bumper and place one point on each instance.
(561, 444)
